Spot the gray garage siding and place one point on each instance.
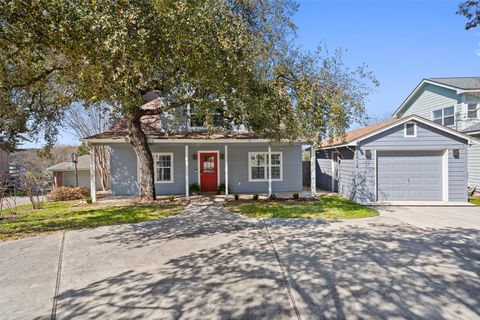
(123, 175)
(457, 175)
(365, 177)
(474, 164)
(346, 183)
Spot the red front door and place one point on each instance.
(208, 171)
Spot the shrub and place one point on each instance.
(88, 200)
(221, 189)
(237, 196)
(194, 188)
(273, 196)
(255, 196)
(68, 193)
(171, 198)
(295, 195)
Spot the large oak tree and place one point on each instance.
(234, 55)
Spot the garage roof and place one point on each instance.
(353, 137)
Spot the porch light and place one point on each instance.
(456, 153)
(368, 154)
(194, 156)
(222, 156)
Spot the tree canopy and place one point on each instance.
(234, 55)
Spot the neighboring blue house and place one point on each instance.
(403, 159)
(189, 154)
(454, 103)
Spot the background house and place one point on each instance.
(64, 173)
(3, 162)
(451, 102)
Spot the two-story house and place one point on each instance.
(451, 102)
(188, 157)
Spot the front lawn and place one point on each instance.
(69, 215)
(327, 207)
(474, 200)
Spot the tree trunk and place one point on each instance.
(102, 162)
(138, 140)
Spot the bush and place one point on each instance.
(295, 195)
(273, 196)
(68, 193)
(171, 198)
(221, 189)
(237, 196)
(255, 196)
(194, 188)
(88, 200)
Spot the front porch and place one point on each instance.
(243, 167)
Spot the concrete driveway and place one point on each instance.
(208, 263)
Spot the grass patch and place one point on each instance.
(55, 216)
(328, 207)
(474, 200)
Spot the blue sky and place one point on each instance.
(401, 42)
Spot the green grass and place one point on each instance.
(474, 200)
(328, 207)
(55, 216)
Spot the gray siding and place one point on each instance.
(323, 170)
(457, 176)
(474, 165)
(346, 183)
(123, 172)
(365, 176)
(238, 169)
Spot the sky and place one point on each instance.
(402, 42)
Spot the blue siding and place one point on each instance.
(123, 170)
(123, 162)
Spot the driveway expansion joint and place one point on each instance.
(284, 276)
(58, 278)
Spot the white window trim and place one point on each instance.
(476, 110)
(443, 116)
(414, 130)
(266, 166)
(172, 171)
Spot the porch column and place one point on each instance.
(269, 170)
(187, 184)
(226, 169)
(313, 171)
(93, 175)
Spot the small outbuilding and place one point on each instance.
(403, 159)
(64, 173)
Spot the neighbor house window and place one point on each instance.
(163, 163)
(410, 129)
(258, 166)
(445, 116)
(472, 111)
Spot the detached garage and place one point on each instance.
(404, 159)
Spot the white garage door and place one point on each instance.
(409, 176)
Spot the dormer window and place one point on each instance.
(445, 116)
(410, 130)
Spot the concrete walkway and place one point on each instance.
(207, 263)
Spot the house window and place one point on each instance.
(410, 129)
(445, 116)
(163, 163)
(258, 166)
(472, 111)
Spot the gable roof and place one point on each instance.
(83, 164)
(352, 138)
(457, 84)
